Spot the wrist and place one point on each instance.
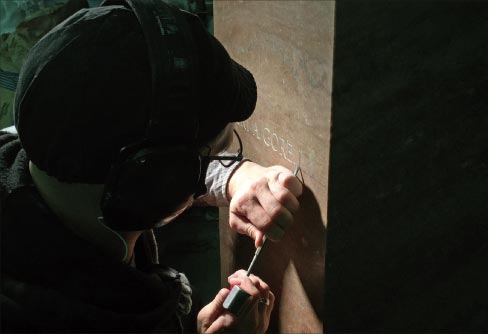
(245, 171)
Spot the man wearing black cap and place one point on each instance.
(95, 166)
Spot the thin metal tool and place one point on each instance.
(297, 169)
(256, 256)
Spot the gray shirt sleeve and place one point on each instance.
(217, 180)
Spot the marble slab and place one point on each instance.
(287, 45)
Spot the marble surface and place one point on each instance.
(287, 45)
(407, 234)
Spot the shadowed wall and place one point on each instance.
(407, 239)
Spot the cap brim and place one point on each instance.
(245, 95)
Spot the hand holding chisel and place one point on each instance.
(237, 298)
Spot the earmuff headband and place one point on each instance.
(172, 56)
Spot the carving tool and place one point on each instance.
(236, 300)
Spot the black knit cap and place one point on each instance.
(84, 92)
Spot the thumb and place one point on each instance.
(212, 311)
(216, 307)
(258, 238)
(252, 232)
(243, 226)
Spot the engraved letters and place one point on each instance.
(272, 140)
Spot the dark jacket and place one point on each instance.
(53, 280)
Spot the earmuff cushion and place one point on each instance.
(149, 185)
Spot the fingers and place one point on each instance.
(272, 299)
(278, 204)
(255, 318)
(214, 309)
(247, 285)
(242, 225)
(213, 317)
(265, 293)
(265, 204)
(253, 285)
(240, 275)
(282, 194)
(262, 286)
(289, 181)
(224, 321)
(283, 186)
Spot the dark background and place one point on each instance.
(407, 236)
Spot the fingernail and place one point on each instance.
(275, 233)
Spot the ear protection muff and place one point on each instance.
(148, 185)
(150, 178)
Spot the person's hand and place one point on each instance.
(255, 319)
(263, 200)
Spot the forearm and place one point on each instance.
(218, 180)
